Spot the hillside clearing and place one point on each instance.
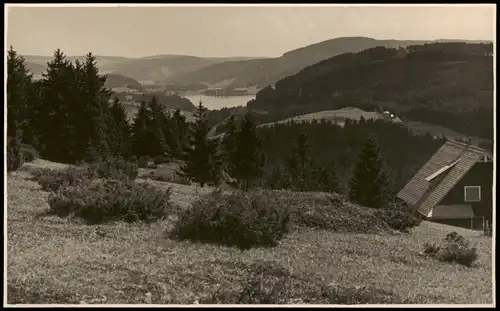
(53, 261)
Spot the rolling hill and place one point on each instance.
(263, 72)
(446, 84)
(116, 80)
(150, 68)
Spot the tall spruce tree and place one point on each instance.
(19, 103)
(120, 130)
(179, 132)
(369, 184)
(300, 165)
(14, 156)
(159, 129)
(228, 144)
(56, 128)
(246, 158)
(141, 131)
(200, 156)
(97, 97)
(327, 178)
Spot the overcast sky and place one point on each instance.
(232, 31)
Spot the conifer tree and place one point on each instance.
(14, 156)
(120, 130)
(200, 156)
(228, 144)
(327, 178)
(369, 184)
(19, 104)
(140, 131)
(55, 117)
(300, 164)
(246, 158)
(159, 129)
(97, 98)
(179, 131)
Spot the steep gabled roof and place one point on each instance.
(453, 158)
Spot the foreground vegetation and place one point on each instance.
(118, 262)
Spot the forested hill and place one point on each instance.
(448, 84)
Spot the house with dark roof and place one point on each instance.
(454, 187)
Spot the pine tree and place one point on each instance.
(229, 144)
(201, 160)
(300, 164)
(56, 128)
(247, 158)
(120, 130)
(23, 102)
(369, 184)
(97, 113)
(159, 129)
(179, 131)
(327, 178)
(14, 156)
(140, 131)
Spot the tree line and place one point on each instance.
(69, 116)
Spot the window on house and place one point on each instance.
(472, 193)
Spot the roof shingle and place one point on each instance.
(418, 191)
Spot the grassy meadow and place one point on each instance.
(53, 260)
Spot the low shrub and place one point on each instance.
(115, 168)
(453, 248)
(143, 162)
(52, 179)
(14, 154)
(171, 178)
(112, 168)
(399, 217)
(329, 212)
(161, 160)
(153, 166)
(107, 200)
(241, 219)
(29, 153)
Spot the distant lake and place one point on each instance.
(214, 103)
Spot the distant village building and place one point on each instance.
(454, 187)
(214, 92)
(240, 91)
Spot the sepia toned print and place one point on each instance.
(250, 154)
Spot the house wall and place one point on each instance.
(481, 174)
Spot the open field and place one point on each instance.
(53, 261)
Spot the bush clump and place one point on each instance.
(29, 153)
(330, 212)
(171, 178)
(453, 248)
(115, 168)
(161, 159)
(240, 219)
(111, 168)
(14, 154)
(399, 217)
(143, 162)
(107, 200)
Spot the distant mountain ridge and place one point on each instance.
(263, 72)
(446, 84)
(185, 70)
(150, 68)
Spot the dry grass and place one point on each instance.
(53, 261)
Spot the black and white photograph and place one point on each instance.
(249, 155)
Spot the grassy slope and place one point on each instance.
(51, 261)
